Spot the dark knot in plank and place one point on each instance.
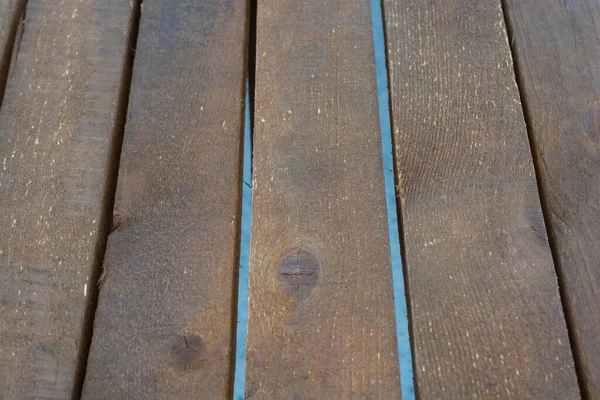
(187, 351)
(298, 273)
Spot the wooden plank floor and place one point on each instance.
(58, 121)
(483, 293)
(558, 57)
(497, 182)
(165, 318)
(319, 232)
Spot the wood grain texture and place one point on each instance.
(321, 311)
(485, 309)
(557, 45)
(11, 15)
(57, 124)
(165, 321)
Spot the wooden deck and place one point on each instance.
(121, 144)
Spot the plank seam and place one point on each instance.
(552, 241)
(240, 332)
(110, 184)
(250, 68)
(399, 209)
(17, 41)
(399, 277)
(18, 21)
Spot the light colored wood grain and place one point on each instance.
(486, 315)
(57, 123)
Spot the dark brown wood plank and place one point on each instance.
(11, 15)
(321, 312)
(557, 47)
(165, 321)
(485, 308)
(57, 124)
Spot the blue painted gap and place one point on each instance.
(406, 371)
(242, 307)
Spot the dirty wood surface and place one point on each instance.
(484, 302)
(321, 310)
(11, 15)
(558, 57)
(486, 317)
(57, 124)
(166, 315)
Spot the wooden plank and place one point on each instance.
(321, 313)
(558, 56)
(165, 322)
(11, 14)
(58, 121)
(485, 308)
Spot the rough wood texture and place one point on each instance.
(165, 321)
(321, 322)
(11, 14)
(57, 123)
(485, 309)
(558, 57)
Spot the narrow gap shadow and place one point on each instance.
(242, 298)
(575, 345)
(13, 44)
(401, 291)
(110, 185)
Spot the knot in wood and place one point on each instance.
(297, 273)
(187, 350)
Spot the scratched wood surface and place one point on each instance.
(165, 321)
(485, 308)
(57, 123)
(11, 15)
(321, 311)
(558, 57)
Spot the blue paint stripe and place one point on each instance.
(406, 371)
(242, 325)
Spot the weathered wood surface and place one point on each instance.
(165, 322)
(485, 308)
(11, 15)
(321, 312)
(557, 45)
(57, 124)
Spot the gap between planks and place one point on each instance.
(552, 241)
(110, 184)
(16, 25)
(403, 325)
(239, 368)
